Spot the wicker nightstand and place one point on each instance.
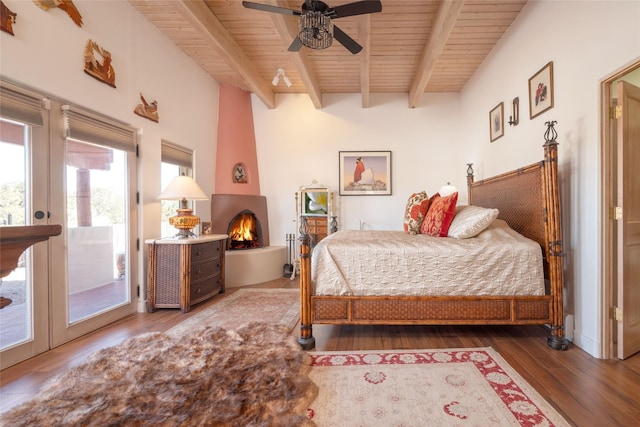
(184, 272)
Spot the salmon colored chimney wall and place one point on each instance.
(236, 143)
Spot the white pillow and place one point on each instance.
(470, 221)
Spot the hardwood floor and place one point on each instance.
(585, 390)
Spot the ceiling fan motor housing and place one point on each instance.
(315, 30)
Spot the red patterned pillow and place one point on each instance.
(439, 216)
(416, 209)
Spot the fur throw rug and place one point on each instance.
(253, 376)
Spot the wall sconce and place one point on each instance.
(280, 75)
(183, 188)
(514, 118)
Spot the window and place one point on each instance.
(176, 161)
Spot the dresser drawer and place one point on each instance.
(205, 287)
(205, 251)
(203, 269)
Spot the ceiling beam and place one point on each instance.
(440, 32)
(203, 19)
(288, 29)
(364, 32)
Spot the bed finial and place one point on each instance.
(550, 134)
(469, 174)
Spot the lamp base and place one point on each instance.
(184, 222)
(185, 234)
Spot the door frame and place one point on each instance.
(607, 225)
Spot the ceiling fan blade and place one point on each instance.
(269, 8)
(355, 8)
(346, 41)
(296, 45)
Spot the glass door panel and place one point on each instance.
(15, 289)
(96, 229)
(24, 292)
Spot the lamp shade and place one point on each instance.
(447, 190)
(183, 187)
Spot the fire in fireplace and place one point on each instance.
(244, 231)
(226, 213)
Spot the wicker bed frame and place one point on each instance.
(528, 200)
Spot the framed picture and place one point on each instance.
(365, 173)
(496, 122)
(541, 91)
(205, 228)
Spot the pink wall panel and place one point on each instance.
(236, 143)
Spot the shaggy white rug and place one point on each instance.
(453, 387)
(253, 376)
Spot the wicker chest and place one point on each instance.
(184, 272)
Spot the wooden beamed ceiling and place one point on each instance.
(415, 47)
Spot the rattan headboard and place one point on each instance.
(519, 195)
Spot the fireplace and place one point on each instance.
(250, 265)
(244, 231)
(243, 218)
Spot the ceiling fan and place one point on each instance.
(316, 30)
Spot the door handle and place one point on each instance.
(40, 214)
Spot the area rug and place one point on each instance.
(271, 306)
(253, 376)
(453, 387)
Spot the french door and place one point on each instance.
(78, 170)
(24, 320)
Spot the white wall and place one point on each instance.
(46, 53)
(297, 143)
(586, 40)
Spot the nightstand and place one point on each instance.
(184, 272)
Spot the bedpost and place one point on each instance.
(557, 339)
(306, 340)
(469, 181)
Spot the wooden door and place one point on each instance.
(628, 226)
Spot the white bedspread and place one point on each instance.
(498, 261)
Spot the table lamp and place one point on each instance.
(183, 188)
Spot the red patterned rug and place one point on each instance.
(453, 387)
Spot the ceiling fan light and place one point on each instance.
(316, 30)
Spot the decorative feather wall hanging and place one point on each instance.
(148, 110)
(7, 19)
(101, 70)
(66, 5)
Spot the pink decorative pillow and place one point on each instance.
(439, 216)
(416, 209)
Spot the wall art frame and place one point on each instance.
(205, 228)
(541, 91)
(365, 173)
(496, 122)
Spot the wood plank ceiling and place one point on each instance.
(415, 47)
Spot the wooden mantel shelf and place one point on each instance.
(15, 239)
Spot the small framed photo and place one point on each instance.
(365, 173)
(541, 91)
(205, 228)
(496, 122)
